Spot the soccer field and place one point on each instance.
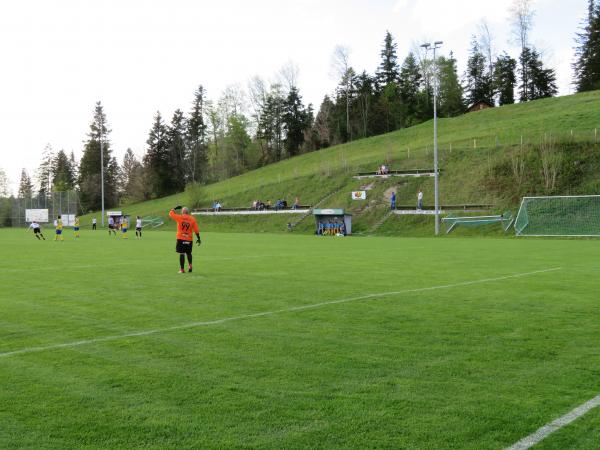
(288, 341)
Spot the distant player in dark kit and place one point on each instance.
(186, 228)
(94, 221)
(37, 230)
(138, 227)
(111, 225)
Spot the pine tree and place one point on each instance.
(196, 139)
(388, 71)
(90, 181)
(541, 81)
(63, 178)
(25, 186)
(295, 122)
(587, 64)
(479, 83)
(158, 159)
(365, 92)
(505, 79)
(44, 172)
(177, 150)
(270, 128)
(450, 96)
(410, 85)
(133, 178)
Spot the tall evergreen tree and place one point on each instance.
(505, 79)
(479, 83)
(410, 85)
(450, 96)
(587, 63)
(44, 172)
(177, 150)
(63, 178)
(388, 70)
(270, 129)
(89, 181)
(133, 179)
(196, 139)
(25, 185)
(158, 159)
(365, 92)
(295, 122)
(541, 81)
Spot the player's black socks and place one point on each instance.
(181, 260)
(38, 238)
(189, 255)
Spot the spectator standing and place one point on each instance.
(393, 200)
(94, 221)
(420, 200)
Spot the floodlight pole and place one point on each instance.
(102, 167)
(436, 45)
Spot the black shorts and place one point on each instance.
(36, 230)
(138, 229)
(111, 227)
(184, 246)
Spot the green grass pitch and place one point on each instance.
(286, 341)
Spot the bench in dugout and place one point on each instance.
(505, 220)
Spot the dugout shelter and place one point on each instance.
(332, 222)
(118, 217)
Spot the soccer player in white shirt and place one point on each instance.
(138, 227)
(37, 230)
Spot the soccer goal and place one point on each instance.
(559, 216)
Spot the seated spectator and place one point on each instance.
(255, 204)
(384, 170)
(296, 204)
(268, 204)
(218, 206)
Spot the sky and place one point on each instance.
(59, 57)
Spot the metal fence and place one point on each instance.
(57, 203)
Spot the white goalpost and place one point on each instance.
(566, 215)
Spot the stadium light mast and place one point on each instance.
(436, 45)
(102, 167)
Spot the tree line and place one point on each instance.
(267, 122)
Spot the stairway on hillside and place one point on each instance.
(381, 221)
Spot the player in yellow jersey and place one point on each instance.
(124, 226)
(58, 226)
(76, 227)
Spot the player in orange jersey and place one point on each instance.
(186, 228)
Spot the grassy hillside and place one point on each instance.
(477, 156)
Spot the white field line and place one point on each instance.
(546, 430)
(264, 314)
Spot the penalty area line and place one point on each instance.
(98, 340)
(545, 431)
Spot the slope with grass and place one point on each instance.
(476, 157)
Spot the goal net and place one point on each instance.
(559, 216)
